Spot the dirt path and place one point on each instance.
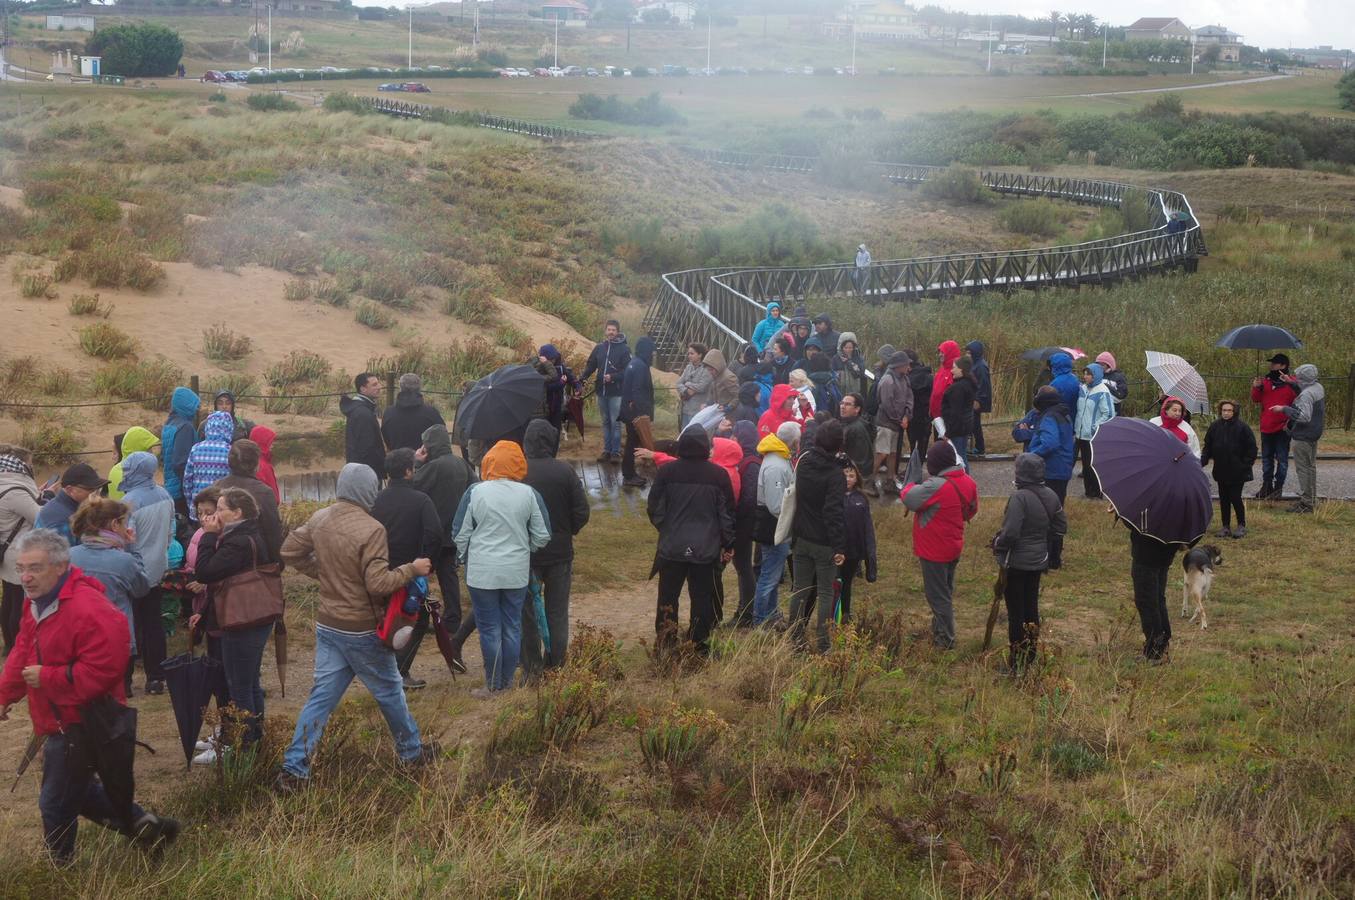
(1165, 90)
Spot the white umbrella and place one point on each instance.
(1179, 379)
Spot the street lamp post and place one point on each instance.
(270, 38)
(708, 20)
(1105, 42)
(853, 43)
(990, 43)
(409, 63)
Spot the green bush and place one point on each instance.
(342, 101)
(152, 381)
(220, 344)
(298, 367)
(956, 184)
(54, 443)
(1345, 90)
(1042, 218)
(136, 50)
(104, 341)
(88, 305)
(651, 110)
(270, 103)
(374, 316)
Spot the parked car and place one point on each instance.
(541, 72)
(524, 73)
(390, 86)
(214, 76)
(258, 70)
(573, 70)
(415, 87)
(556, 72)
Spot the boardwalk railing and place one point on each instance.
(721, 307)
(447, 116)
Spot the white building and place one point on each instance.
(679, 11)
(70, 23)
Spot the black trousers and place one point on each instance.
(976, 441)
(743, 567)
(1150, 597)
(628, 450)
(700, 580)
(1230, 501)
(1091, 485)
(11, 611)
(150, 634)
(1022, 596)
(846, 573)
(1060, 488)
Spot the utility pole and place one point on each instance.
(557, 40)
(708, 21)
(270, 37)
(1192, 51)
(990, 42)
(1105, 42)
(409, 64)
(475, 27)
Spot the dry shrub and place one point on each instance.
(389, 284)
(677, 740)
(472, 304)
(831, 681)
(20, 372)
(110, 263)
(595, 650)
(298, 367)
(36, 284)
(220, 344)
(569, 704)
(150, 381)
(104, 341)
(88, 305)
(329, 290)
(54, 443)
(298, 289)
(57, 383)
(374, 316)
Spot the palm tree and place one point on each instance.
(1054, 18)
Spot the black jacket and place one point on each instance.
(637, 385)
(608, 358)
(957, 407)
(745, 513)
(269, 522)
(920, 380)
(1231, 445)
(691, 503)
(229, 553)
(560, 489)
(1034, 522)
(860, 530)
(857, 443)
(413, 529)
(362, 441)
(444, 477)
(820, 488)
(404, 423)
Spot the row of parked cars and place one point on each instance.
(408, 87)
(243, 75)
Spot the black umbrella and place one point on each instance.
(192, 681)
(500, 403)
(1260, 337)
(1153, 481)
(1042, 354)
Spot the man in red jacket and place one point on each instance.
(941, 506)
(1277, 388)
(72, 649)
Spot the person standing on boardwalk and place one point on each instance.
(1276, 388)
(609, 360)
(362, 434)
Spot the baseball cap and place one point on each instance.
(1279, 358)
(82, 475)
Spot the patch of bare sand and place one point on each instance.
(13, 198)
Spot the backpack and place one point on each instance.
(873, 398)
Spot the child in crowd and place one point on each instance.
(860, 530)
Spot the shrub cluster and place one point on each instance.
(650, 110)
(271, 103)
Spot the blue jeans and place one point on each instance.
(610, 408)
(765, 602)
(338, 658)
(241, 659)
(69, 791)
(961, 445)
(498, 615)
(1274, 459)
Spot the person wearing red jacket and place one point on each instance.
(72, 649)
(950, 351)
(941, 506)
(780, 409)
(1276, 388)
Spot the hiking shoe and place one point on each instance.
(286, 783)
(429, 753)
(634, 481)
(154, 832)
(155, 687)
(413, 684)
(1224, 532)
(1263, 493)
(1239, 531)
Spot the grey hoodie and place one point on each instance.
(152, 516)
(1308, 414)
(357, 484)
(1034, 520)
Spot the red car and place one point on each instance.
(214, 76)
(414, 87)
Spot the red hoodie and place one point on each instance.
(264, 437)
(776, 413)
(944, 377)
(83, 640)
(1273, 393)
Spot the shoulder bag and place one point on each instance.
(250, 598)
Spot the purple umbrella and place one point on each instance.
(1155, 483)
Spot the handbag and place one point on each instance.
(786, 518)
(644, 430)
(250, 598)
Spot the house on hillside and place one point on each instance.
(1228, 42)
(304, 5)
(1158, 30)
(879, 20)
(565, 10)
(70, 23)
(679, 11)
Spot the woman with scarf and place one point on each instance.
(1231, 446)
(1173, 421)
(498, 525)
(231, 544)
(107, 552)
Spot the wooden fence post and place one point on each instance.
(390, 388)
(1350, 395)
(193, 385)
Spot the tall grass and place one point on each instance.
(220, 344)
(149, 380)
(104, 341)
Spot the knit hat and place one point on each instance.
(940, 456)
(694, 443)
(899, 359)
(1106, 359)
(886, 351)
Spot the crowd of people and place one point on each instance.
(775, 457)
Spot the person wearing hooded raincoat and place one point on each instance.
(746, 410)
(941, 507)
(135, 440)
(209, 460)
(1307, 420)
(1032, 524)
(152, 522)
(849, 365)
(1064, 381)
(781, 409)
(1115, 379)
(983, 378)
(637, 399)
(724, 384)
(498, 526)
(224, 401)
(767, 330)
(861, 275)
(692, 507)
(177, 437)
(567, 512)
(774, 476)
(1095, 407)
(949, 352)
(560, 383)
(346, 550)
(403, 424)
(264, 437)
(1047, 431)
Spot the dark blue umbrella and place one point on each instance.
(500, 403)
(192, 682)
(1259, 337)
(1155, 483)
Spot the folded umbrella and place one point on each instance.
(443, 638)
(1179, 379)
(1153, 481)
(280, 653)
(575, 411)
(30, 752)
(192, 682)
(500, 403)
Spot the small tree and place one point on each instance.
(136, 51)
(1345, 90)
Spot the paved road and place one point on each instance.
(1163, 90)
